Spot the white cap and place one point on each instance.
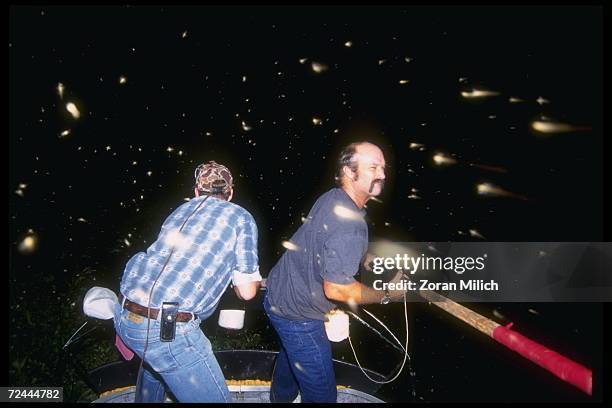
(100, 303)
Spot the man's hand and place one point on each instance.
(358, 293)
(396, 294)
(368, 260)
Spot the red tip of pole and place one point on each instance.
(564, 368)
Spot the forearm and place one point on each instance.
(369, 295)
(247, 291)
(355, 292)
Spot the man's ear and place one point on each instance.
(346, 170)
(196, 192)
(231, 194)
(349, 173)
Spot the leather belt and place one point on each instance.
(181, 317)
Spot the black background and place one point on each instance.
(179, 88)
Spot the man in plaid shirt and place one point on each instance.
(205, 244)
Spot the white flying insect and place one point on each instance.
(476, 234)
(290, 246)
(347, 213)
(60, 90)
(29, 243)
(442, 160)
(555, 127)
(318, 67)
(74, 111)
(477, 93)
(491, 190)
(245, 127)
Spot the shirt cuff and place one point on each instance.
(240, 278)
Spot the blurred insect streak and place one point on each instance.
(290, 246)
(488, 189)
(497, 314)
(318, 67)
(556, 127)
(477, 93)
(417, 146)
(29, 243)
(476, 234)
(22, 187)
(177, 240)
(245, 127)
(441, 159)
(489, 168)
(346, 213)
(60, 90)
(73, 110)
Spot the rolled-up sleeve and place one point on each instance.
(247, 261)
(343, 252)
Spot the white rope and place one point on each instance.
(366, 324)
(386, 328)
(405, 348)
(75, 333)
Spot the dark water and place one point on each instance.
(187, 93)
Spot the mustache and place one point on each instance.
(380, 181)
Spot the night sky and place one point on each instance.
(457, 98)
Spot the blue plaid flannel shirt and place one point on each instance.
(218, 244)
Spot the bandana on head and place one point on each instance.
(207, 174)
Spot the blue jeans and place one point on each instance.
(304, 362)
(186, 366)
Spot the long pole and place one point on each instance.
(561, 366)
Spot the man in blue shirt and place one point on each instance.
(325, 254)
(202, 246)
